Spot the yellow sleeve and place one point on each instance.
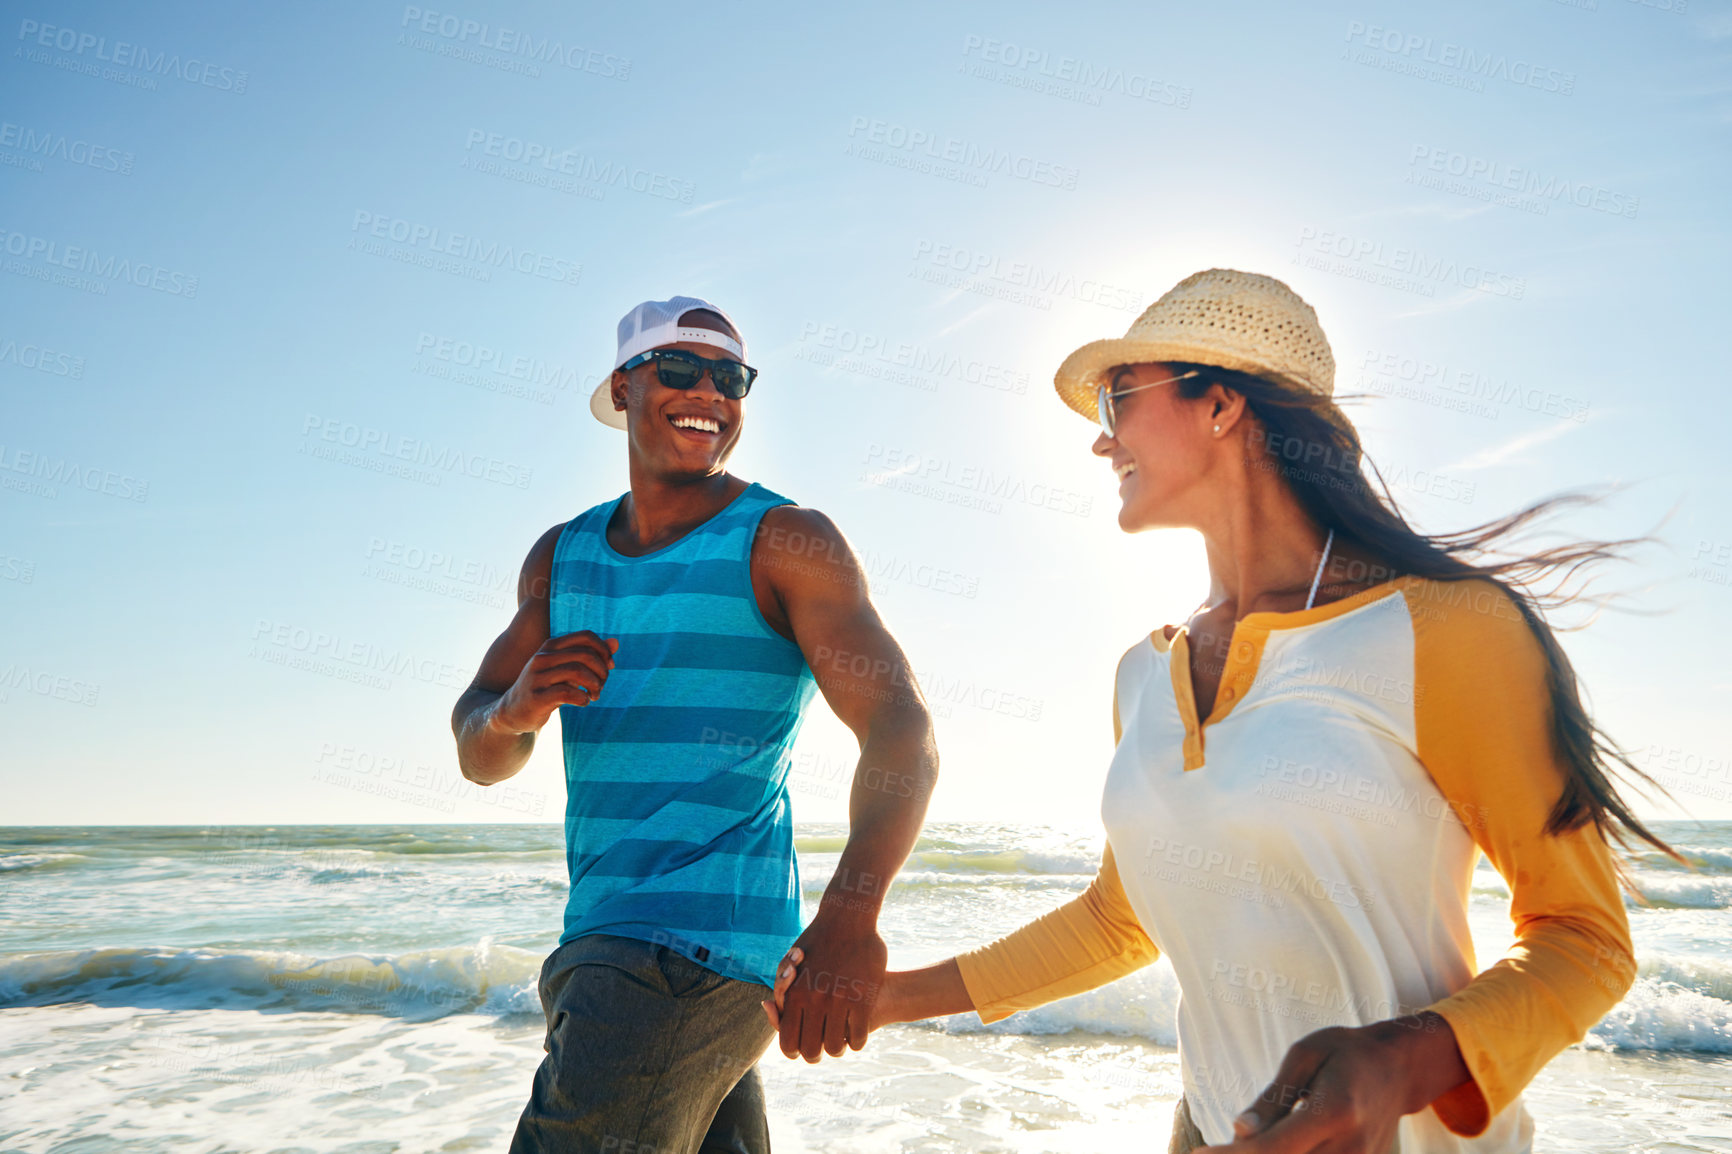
(1483, 716)
(1082, 945)
(1085, 943)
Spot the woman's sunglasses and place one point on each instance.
(1106, 400)
(678, 369)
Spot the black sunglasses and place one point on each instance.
(678, 369)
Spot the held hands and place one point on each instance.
(1343, 1090)
(830, 990)
(567, 670)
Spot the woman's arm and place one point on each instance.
(1483, 730)
(1085, 943)
(1080, 946)
(1484, 727)
(913, 995)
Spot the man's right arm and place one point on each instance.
(525, 677)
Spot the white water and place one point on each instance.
(372, 989)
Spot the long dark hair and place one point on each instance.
(1312, 445)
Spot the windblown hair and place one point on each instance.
(1317, 452)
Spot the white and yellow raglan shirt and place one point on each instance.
(1303, 855)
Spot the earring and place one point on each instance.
(1217, 428)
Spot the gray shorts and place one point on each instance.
(1186, 1137)
(647, 1053)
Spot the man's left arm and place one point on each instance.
(819, 592)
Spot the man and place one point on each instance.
(679, 631)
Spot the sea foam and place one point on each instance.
(484, 978)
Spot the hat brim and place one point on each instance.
(601, 405)
(1084, 371)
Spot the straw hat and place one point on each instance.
(1223, 317)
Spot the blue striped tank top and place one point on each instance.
(678, 828)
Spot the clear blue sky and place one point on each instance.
(240, 243)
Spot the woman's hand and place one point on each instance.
(880, 1011)
(905, 995)
(1344, 1089)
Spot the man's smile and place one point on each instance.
(697, 426)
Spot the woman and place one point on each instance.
(1307, 770)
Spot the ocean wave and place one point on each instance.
(1141, 1005)
(11, 862)
(1711, 977)
(942, 855)
(1709, 859)
(327, 876)
(1682, 891)
(1004, 861)
(485, 978)
(1489, 885)
(1663, 1015)
(423, 848)
(984, 851)
(519, 884)
(1677, 890)
(1678, 1004)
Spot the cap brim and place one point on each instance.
(1084, 370)
(601, 405)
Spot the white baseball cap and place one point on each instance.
(650, 326)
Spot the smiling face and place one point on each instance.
(1165, 449)
(680, 433)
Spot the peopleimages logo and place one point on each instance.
(44, 473)
(436, 567)
(1367, 259)
(515, 42)
(90, 263)
(482, 358)
(126, 55)
(46, 145)
(860, 349)
(41, 359)
(363, 446)
(1387, 372)
(46, 684)
(432, 242)
(284, 643)
(531, 155)
(1020, 282)
(962, 483)
(1410, 48)
(1068, 77)
(1495, 176)
(972, 159)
